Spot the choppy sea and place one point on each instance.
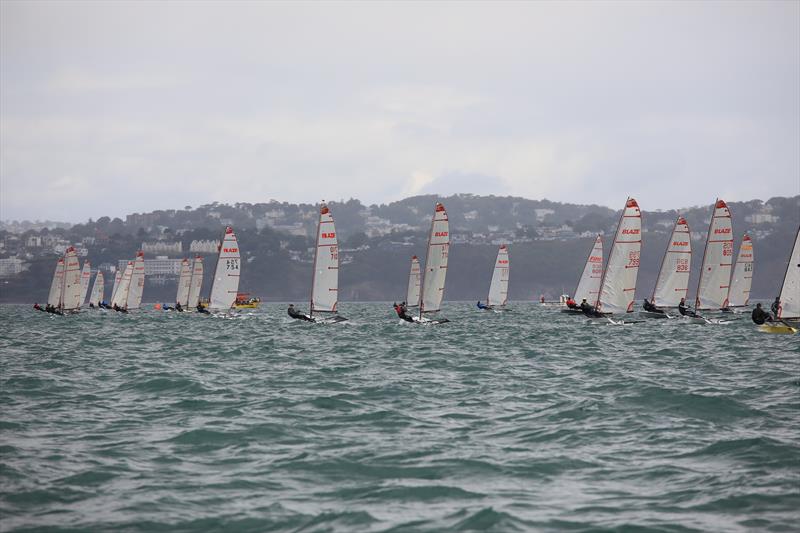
(527, 420)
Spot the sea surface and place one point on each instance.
(529, 420)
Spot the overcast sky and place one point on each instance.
(108, 108)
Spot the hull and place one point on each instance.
(780, 329)
(253, 305)
(650, 314)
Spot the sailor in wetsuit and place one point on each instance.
(648, 306)
(776, 306)
(297, 315)
(589, 310)
(401, 312)
(481, 306)
(37, 307)
(760, 316)
(178, 307)
(571, 303)
(686, 310)
(201, 309)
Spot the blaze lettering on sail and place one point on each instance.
(630, 231)
(330, 235)
(440, 234)
(680, 243)
(230, 250)
(717, 231)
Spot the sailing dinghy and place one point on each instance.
(71, 290)
(184, 284)
(498, 288)
(119, 298)
(96, 296)
(589, 284)
(195, 284)
(54, 297)
(789, 306)
(673, 277)
(325, 277)
(86, 275)
(136, 287)
(225, 283)
(739, 294)
(432, 290)
(618, 284)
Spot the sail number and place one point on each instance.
(682, 265)
(231, 264)
(633, 259)
(748, 267)
(334, 253)
(727, 248)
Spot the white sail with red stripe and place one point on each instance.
(71, 288)
(54, 297)
(86, 275)
(325, 279)
(790, 290)
(715, 273)
(226, 275)
(96, 296)
(739, 294)
(136, 288)
(618, 286)
(498, 288)
(414, 283)
(673, 278)
(589, 284)
(184, 282)
(433, 280)
(196, 283)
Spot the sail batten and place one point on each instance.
(432, 290)
(673, 277)
(589, 284)
(325, 278)
(414, 283)
(618, 286)
(715, 272)
(226, 275)
(742, 280)
(498, 288)
(790, 290)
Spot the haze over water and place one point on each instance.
(529, 420)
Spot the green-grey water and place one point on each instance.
(529, 420)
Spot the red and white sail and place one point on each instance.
(618, 286)
(715, 274)
(184, 282)
(196, 282)
(498, 288)
(96, 296)
(120, 295)
(673, 278)
(433, 280)
(54, 297)
(86, 276)
(790, 291)
(71, 289)
(325, 281)
(589, 284)
(136, 288)
(414, 283)
(739, 294)
(225, 284)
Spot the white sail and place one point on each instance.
(325, 280)
(136, 288)
(673, 278)
(225, 284)
(98, 289)
(498, 288)
(117, 277)
(184, 282)
(86, 275)
(715, 274)
(54, 298)
(739, 294)
(432, 290)
(589, 284)
(120, 295)
(196, 282)
(790, 291)
(618, 286)
(71, 289)
(414, 281)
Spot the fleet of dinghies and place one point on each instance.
(606, 292)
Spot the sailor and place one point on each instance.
(178, 307)
(776, 306)
(201, 308)
(571, 303)
(650, 307)
(481, 306)
(760, 316)
(37, 307)
(589, 310)
(297, 315)
(91, 305)
(684, 309)
(401, 311)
